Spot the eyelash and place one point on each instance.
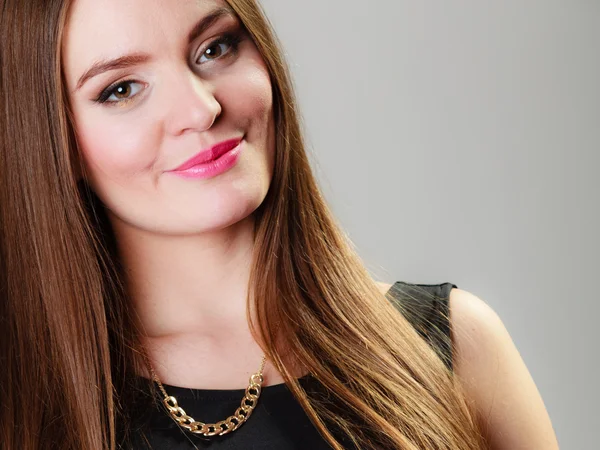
(231, 39)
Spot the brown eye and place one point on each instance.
(220, 48)
(120, 92)
(213, 52)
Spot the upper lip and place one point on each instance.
(210, 154)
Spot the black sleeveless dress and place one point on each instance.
(278, 422)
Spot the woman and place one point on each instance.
(163, 238)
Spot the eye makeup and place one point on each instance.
(230, 39)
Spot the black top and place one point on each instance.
(278, 421)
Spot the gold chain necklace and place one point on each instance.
(228, 425)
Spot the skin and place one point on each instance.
(495, 378)
(187, 242)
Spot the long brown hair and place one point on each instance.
(68, 345)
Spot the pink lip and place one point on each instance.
(208, 155)
(208, 163)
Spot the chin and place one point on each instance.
(216, 214)
(197, 209)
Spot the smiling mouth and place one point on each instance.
(223, 158)
(211, 154)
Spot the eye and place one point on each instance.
(224, 45)
(120, 92)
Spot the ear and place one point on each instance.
(77, 169)
(77, 172)
(76, 158)
(73, 148)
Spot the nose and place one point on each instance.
(193, 106)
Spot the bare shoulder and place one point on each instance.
(496, 379)
(383, 287)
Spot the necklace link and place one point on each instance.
(232, 423)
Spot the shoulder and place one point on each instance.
(496, 380)
(383, 287)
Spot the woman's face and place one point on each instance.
(152, 84)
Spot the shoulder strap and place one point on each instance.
(426, 307)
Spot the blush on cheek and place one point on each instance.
(259, 84)
(249, 96)
(115, 154)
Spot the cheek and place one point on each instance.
(247, 95)
(114, 149)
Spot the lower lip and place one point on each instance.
(212, 168)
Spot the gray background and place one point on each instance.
(459, 141)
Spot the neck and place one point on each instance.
(188, 285)
(189, 294)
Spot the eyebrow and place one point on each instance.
(209, 20)
(133, 59)
(105, 65)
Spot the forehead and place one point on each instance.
(103, 29)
